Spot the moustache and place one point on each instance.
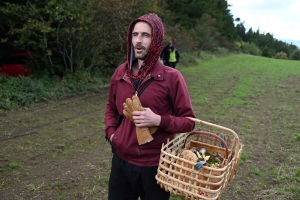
(139, 46)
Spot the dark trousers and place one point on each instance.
(172, 64)
(128, 182)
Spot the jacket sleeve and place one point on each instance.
(163, 52)
(177, 56)
(111, 112)
(181, 101)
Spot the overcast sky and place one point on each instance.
(278, 17)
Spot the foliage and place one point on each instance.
(281, 55)
(237, 46)
(205, 55)
(265, 42)
(180, 38)
(187, 13)
(205, 33)
(25, 91)
(57, 30)
(295, 55)
(241, 31)
(73, 34)
(250, 48)
(187, 59)
(221, 51)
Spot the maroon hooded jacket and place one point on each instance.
(166, 95)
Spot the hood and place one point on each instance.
(156, 42)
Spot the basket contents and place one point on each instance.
(205, 158)
(189, 155)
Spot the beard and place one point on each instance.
(143, 54)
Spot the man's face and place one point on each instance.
(141, 39)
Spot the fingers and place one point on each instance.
(129, 104)
(132, 108)
(127, 109)
(127, 114)
(136, 104)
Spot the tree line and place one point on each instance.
(69, 35)
(256, 43)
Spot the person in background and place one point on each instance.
(166, 104)
(165, 53)
(173, 57)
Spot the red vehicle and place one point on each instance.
(17, 65)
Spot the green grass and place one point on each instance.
(256, 97)
(259, 99)
(13, 165)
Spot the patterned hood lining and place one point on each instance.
(156, 43)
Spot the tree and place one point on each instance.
(295, 54)
(187, 13)
(73, 34)
(241, 32)
(205, 33)
(57, 30)
(249, 35)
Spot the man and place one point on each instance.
(166, 103)
(165, 53)
(174, 57)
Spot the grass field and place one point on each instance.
(259, 99)
(57, 150)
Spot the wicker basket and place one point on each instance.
(178, 175)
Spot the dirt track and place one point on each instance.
(55, 150)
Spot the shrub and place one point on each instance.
(250, 48)
(221, 51)
(206, 55)
(24, 91)
(281, 55)
(187, 59)
(295, 55)
(237, 46)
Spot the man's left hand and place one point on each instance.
(146, 118)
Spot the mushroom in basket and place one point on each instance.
(189, 155)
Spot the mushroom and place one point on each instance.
(198, 154)
(189, 155)
(216, 158)
(203, 151)
(194, 149)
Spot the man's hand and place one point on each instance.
(146, 118)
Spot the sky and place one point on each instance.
(281, 18)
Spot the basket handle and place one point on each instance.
(210, 134)
(215, 125)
